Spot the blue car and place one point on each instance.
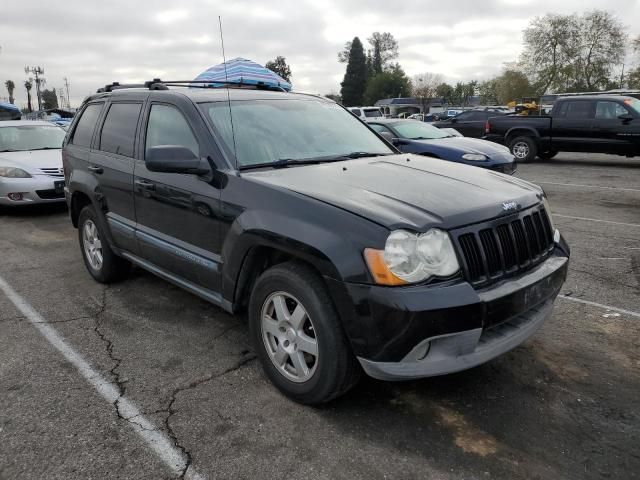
(412, 136)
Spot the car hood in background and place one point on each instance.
(32, 160)
(406, 191)
(468, 145)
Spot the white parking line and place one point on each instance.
(624, 189)
(596, 220)
(600, 305)
(160, 443)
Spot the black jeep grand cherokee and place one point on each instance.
(348, 255)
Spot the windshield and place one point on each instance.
(30, 137)
(633, 103)
(372, 112)
(294, 129)
(418, 131)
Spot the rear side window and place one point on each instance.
(119, 129)
(372, 113)
(379, 128)
(167, 126)
(579, 110)
(84, 131)
(356, 112)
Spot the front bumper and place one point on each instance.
(37, 189)
(413, 332)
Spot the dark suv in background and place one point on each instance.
(347, 254)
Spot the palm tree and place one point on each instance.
(28, 85)
(10, 88)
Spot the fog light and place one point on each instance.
(16, 197)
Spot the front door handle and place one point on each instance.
(145, 185)
(96, 169)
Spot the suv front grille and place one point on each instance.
(506, 246)
(53, 172)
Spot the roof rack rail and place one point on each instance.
(157, 84)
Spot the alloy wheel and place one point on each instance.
(289, 337)
(92, 245)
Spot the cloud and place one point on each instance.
(95, 43)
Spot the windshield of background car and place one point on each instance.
(30, 137)
(633, 103)
(418, 130)
(296, 129)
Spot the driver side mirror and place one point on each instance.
(175, 159)
(454, 120)
(390, 138)
(626, 117)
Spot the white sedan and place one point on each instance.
(30, 163)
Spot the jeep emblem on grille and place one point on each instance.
(506, 206)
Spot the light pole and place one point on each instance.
(37, 71)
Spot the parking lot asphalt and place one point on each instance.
(564, 405)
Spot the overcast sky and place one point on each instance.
(93, 43)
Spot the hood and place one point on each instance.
(32, 160)
(468, 145)
(406, 191)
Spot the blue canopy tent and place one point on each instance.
(242, 72)
(8, 111)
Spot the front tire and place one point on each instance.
(298, 337)
(524, 149)
(101, 262)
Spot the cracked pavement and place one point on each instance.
(561, 406)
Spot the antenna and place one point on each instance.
(226, 78)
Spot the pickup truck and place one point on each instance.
(589, 123)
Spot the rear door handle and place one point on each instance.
(145, 185)
(96, 169)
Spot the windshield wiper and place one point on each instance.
(287, 162)
(47, 148)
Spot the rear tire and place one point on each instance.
(524, 149)
(101, 262)
(298, 336)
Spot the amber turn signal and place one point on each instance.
(378, 268)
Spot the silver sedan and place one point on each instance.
(30, 163)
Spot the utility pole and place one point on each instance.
(66, 84)
(37, 71)
(622, 77)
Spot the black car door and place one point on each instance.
(178, 214)
(470, 124)
(572, 126)
(112, 163)
(615, 128)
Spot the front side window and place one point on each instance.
(167, 126)
(30, 137)
(119, 129)
(269, 130)
(609, 110)
(84, 131)
(356, 112)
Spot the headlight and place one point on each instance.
(12, 172)
(411, 258)
(547, 207)
(475, 157)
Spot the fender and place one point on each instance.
(328, 250)
(529, 130)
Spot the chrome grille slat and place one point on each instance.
(53, 172)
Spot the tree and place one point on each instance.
(355, 78)
(383, 49)
(573, 53)
(488, 91)
(512, 85)
(425, 86)
(28, 85)
(10, 88)
(335, 97)
(49, 99)
(391, 83)
(633, 77)
(602, 47)
(445, 91)
(279, 66)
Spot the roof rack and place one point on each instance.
(157, 84)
